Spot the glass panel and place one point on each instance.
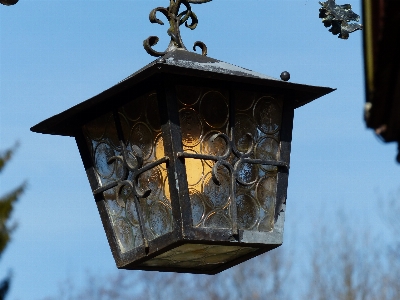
(141, 127)
(102, 138)
(198, 256)
(257, 122)
(204, 115)
(124, 219)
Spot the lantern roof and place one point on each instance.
(177, 62)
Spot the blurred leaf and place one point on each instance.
(6, 207)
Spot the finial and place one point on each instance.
(175, 19)
(285, 76)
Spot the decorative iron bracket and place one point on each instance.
(132, 162)
(222, 161)
(175, 19)
(339, 17)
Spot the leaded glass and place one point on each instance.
(140, 128)
(207, 130)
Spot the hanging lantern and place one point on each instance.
(188, 159)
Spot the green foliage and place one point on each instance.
(4, 285)
(6, 206)
(7, 203)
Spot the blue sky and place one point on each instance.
(57, 53)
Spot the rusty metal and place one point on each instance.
(175, 19)
(339, 17)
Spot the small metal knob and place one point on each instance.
(285, 76)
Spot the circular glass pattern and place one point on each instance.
(96, 129)
(247, 173)
(124, 194)
(214, 109)
(247, 211)
(160, 218)
(188, 95)
(244, 100)
(113, 208)
(131, 159)
(131, 213)
(268, 114)
(244, 125)
(267, 223)
(103, 152)
(166, 190)
(125, 235)
(151, 180)
(159, 149)
(119, 170)
(152, 112)
(133, 110)
(267, 149)
(125, 124)
(198, 206)
(266, 192)
(194, 169)
(217, 195)
(142, 137)
(191, 127)
(217, 219)
(213, 146)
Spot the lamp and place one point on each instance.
(188, 158)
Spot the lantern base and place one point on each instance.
(199, 258)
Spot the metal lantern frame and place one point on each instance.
(232, 245)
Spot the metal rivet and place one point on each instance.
(161, 60)
(285, 76)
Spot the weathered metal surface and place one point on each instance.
(100, 121)
(339, 17)
(132, 161)
(191, 67)
(8, 2)
(222, 160)
(382, 69)
(175, 19)
(163, 253)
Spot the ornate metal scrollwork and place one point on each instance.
(222, 161)
(175, 19)
(132, 167)
(339, 17)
